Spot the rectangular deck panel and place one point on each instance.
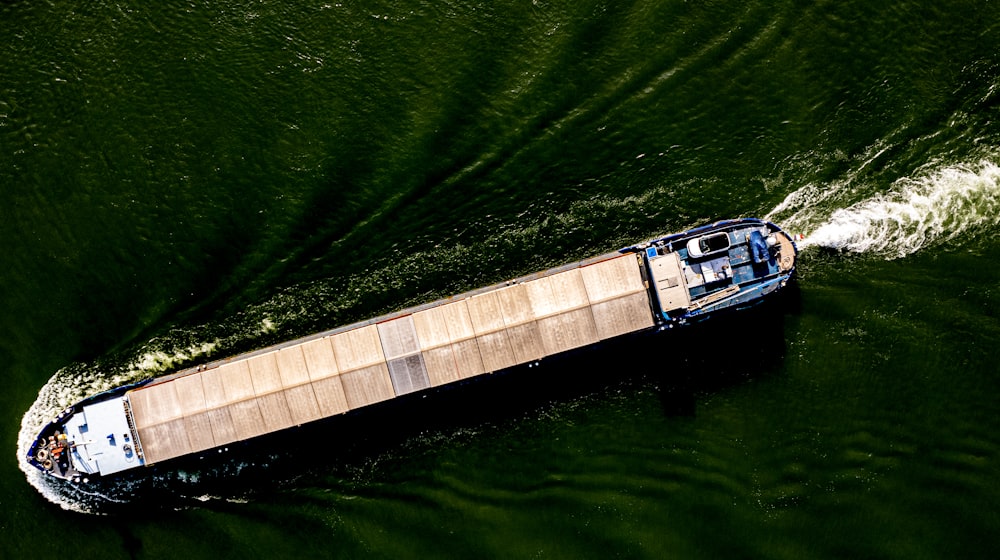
(165, 441)
(407, 370)
(357, 348)
(236, 381)
(191, 391)
(491, 334)
(447, 341)
(157, 404)
(612, 278)
(363, 370)
(566, 331)
(276, 412)
(220, 418)
(671, 282)
(365, 386)
(468, 358)
(248, 420)
(519, 320)
(515, 305)
(526, 342)
(330, 396)
(561, 304)
(398, 337)
(199, 431)
(264, 374)
(292, 368)
(496, 350)
(435, 341)
(299, 393)
(618, 296)
(441, 364)
(322, 376)
(623, 315)
(319, 358)
(303, 404)
(211, 382)
(408, 374)
(325, 375)
(431, 325)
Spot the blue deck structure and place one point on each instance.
(728, 264)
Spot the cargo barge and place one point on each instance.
(659, 284)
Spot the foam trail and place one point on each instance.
(74, 383)
(915, 213)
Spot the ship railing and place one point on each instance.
(131, 428)
(724, 297)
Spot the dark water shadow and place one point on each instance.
(725, 352)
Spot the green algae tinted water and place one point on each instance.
(190, 180)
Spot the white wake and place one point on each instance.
(939, 206)
(74, 383)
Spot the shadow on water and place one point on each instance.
(679, 365)
(725, 352)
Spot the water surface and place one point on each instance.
(188, 181)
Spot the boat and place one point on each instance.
(660, 284)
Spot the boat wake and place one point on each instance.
(74, 383)
(944, 204)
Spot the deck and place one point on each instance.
(484, 331)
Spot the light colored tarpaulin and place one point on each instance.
(307, 380)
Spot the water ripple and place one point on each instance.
(953, 202)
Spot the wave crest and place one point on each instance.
(76, 382)
(915, 213)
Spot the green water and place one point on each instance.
(190, 180)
